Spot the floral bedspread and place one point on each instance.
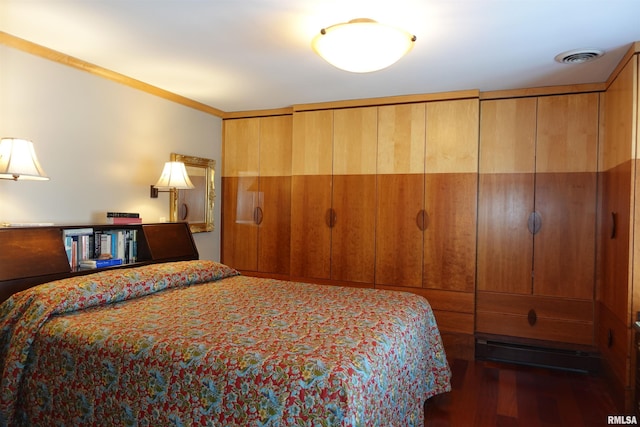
(194, 343)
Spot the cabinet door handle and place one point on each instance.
(330, 218)
(258, 215)
(614, 224)
(535, 222)
(422, 220)
(532, 317)
(183, 211)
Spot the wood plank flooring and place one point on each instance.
(505, 395)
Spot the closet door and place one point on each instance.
(312, 165)
(240, 193)
(506, 195)
(451, 194)
(274, 195)
(400, 201)
(566, 168)
(354, 195)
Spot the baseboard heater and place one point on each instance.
(553, 358)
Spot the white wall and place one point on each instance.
(101, 143)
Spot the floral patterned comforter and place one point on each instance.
(194, 343)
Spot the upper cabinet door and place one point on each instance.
(400, 195)
(566, 175)
(506, 195)
(241, 155)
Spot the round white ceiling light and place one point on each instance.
(362, 45)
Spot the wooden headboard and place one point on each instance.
(31, 256)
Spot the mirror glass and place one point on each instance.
(195, 206)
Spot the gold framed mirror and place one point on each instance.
(195, 206)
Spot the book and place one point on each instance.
(77, 244)
(123, 215)
(124, 220)
(100, 263)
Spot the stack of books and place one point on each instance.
(123, 218)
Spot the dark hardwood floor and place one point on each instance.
(506, 395)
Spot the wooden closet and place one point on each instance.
(256, 194)
(385, 196)
(537, 218)
(334, 194)
(426, 210)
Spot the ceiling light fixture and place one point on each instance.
(362, 45)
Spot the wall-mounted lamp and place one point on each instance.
(173, 177)
(18, 161)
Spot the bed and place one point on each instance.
(196, 343)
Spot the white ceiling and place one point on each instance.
(255, 54)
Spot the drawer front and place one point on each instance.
(533, 317)
(544, 307)
(547, 329)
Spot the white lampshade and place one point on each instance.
(18, 160)
(362, 45)
(174, 175)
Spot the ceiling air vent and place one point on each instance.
(579, 56)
